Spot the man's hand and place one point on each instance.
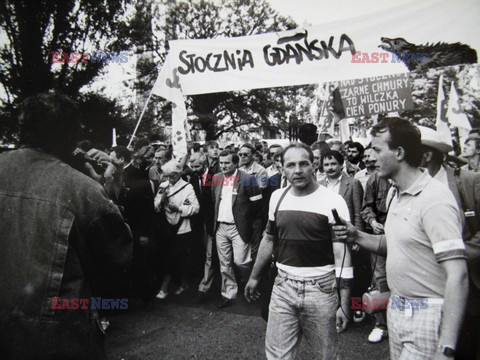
(342, 320)
(439, 356)
(344, 233)
(377, 227)
(251, 293)
(99, 156)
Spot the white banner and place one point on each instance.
(349, 49)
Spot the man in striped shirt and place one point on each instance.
(304, 299)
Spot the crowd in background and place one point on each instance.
(196, 217)
(172, 210)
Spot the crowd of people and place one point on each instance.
(140, 223)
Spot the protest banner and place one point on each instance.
(376, 95)
(319, 54)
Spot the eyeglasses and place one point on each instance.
(243, 154)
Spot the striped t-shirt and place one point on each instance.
(304, 230)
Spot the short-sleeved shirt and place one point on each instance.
(423, 229)
(304, 230)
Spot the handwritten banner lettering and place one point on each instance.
(375, 95)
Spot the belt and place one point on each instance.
(226, 223)
(430, 301)
(306, 280)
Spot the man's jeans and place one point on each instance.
(302, 307)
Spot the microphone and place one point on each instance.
(338, 221)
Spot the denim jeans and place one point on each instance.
(302, 307)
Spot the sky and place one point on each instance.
(304, 12)
(315, 12)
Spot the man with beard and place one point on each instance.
(354, 161)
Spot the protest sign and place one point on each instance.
(376, 95)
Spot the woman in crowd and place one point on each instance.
(176, 200)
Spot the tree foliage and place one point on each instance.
(225, 112)
(33, 29)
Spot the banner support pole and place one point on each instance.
(140, 118)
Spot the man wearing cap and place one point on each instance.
(465, 186)
(471, 152)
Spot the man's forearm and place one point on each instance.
(264, 256)
(455, 300)
(345, 300)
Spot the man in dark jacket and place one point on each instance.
(237, 222)
(59, 233)
(202, 223)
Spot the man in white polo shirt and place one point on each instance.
(426, 255)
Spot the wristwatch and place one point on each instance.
(446, 350)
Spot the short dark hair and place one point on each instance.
(320, 145)
(298, 145)
(357, 146)
(211, 143)
(140, 143)
(122, 151)
(196, 147)
(307, 133)
(402, 134)
(332, 154)
(249, 146)
(85, 145)
(235, 158)
(50, 121)
(258, 146)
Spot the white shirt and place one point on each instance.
(441, 176)
(363, 176)
(334, 185)
(185, 200)
(225, 213)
